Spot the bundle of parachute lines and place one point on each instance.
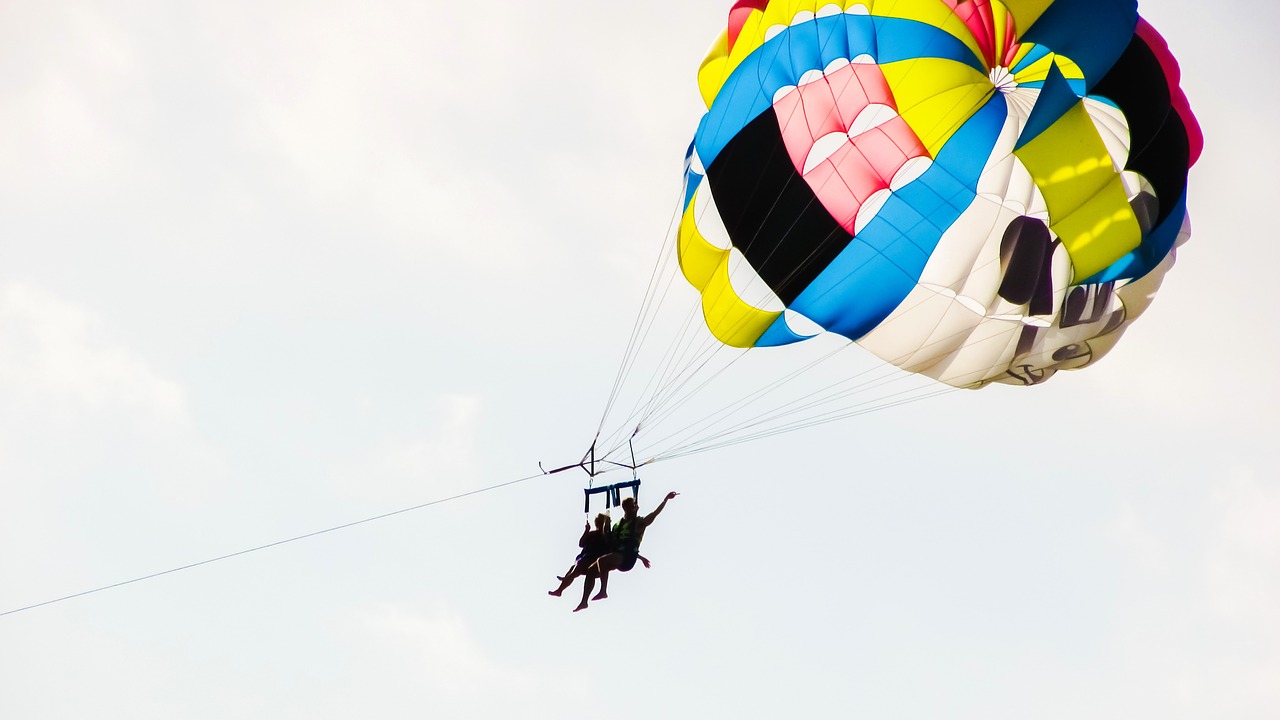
(973, 191)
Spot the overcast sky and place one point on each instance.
(268, 268)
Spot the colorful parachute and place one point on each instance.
(972, 190)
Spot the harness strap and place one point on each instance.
(612, 494)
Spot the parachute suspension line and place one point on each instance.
(650, 313)
(708, 340)
(645, 321)
(648, 391)
(686, 354)
(754, 396)
(686, 361)
(689, 353)
(889, 375)
(726, 412)
(779, 414)
(741, 435)
(797, 405)
(659, 399)
(681, 366)
(689, 370)
(866, 408)
(277, 543)
(653, 308)
(674, 454)
(679, 401)
(674, 362)
(632, 348)
(793, 374)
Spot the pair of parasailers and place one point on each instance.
(606, 549)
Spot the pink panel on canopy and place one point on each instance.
(981, 22)
(865, 163)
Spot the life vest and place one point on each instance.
(627, 534)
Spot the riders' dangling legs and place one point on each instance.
(612, 561)
(569, 576)
(604, 587)
(565, 581)
(587, 585)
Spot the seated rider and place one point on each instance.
(626, 537)
(594, 543)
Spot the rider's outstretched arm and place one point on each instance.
(650, 517)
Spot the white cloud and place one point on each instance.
(1236, 539)
(440, 648)
(444, 455)
(1200, 617)
(1140, 542)
(93, 438)
(452, 674)
(1244, 552)
(1242, 572)
(64, 118)
(373, 119)
(55, 354)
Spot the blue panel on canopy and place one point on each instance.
(874, 274)
(1093, 33)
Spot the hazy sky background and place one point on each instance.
(266, 268)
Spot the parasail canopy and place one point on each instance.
(974, 191)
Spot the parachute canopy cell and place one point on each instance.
(972, 190)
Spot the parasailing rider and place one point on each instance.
(626, 537)
(594, 543)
